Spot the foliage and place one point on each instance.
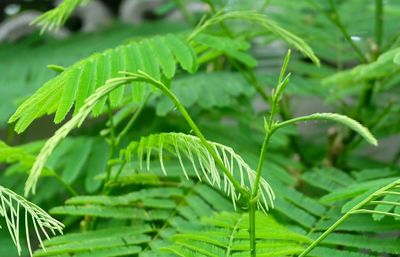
(188, 138)
(11, 204)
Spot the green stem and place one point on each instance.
(252, 227)
(325, 234)
(283, 110)
(367, 94)
(131, 121)
(112, 141)
(346, 215)
(372, 125)
(336, 20)
(10, 133)
(261, 159)
(65, 184)
(293, 139)
(269, 131)
(378, 22)
(334, 17)
(364, 101)
(244, 192)
(112, 127)
(107, 188)
(254, 195)
(121, 167)
(250, 77)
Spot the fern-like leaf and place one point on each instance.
(342, 119)
(202, 162)
(386, 65)
(55, 18)
(266, 23)
(155, 56)
(150, 216)
(363, 206)
(226, 234)
(10, 209)
(61, 133)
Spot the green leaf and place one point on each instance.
(55, 18)
(353, 124)
(226, 234)
(264, 22)
(193, 155)
(72, 86)
(77, 159)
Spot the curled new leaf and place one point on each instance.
(349, 122)
(200, 160)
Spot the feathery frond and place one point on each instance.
(362, 205)
(10, 155)
(61, 133)
(234, 48)
(263, 21)
(202, 162)
(55, 18)
(226, 234)
(156, 56)
(386, 65)
(10, 209)
(342, 119)
(152, 214)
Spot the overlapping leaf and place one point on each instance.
(156, 56)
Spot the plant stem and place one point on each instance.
(378, 22)
(346, 215)
(254, 195)
(366, 96)
(112, 142)
(252, 227)
(244, 192)
(65, 184)
(10, 133)
(261, 159)
(131, 121)
(293, 139)
(269, 127)
(334, 17)
(336, 20)
(372, 125)
(325, 234)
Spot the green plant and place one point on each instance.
(142, 181)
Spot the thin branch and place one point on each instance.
(334, 17)
(243, 191)
(378, 22)
(132, 121)
(354, 210)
